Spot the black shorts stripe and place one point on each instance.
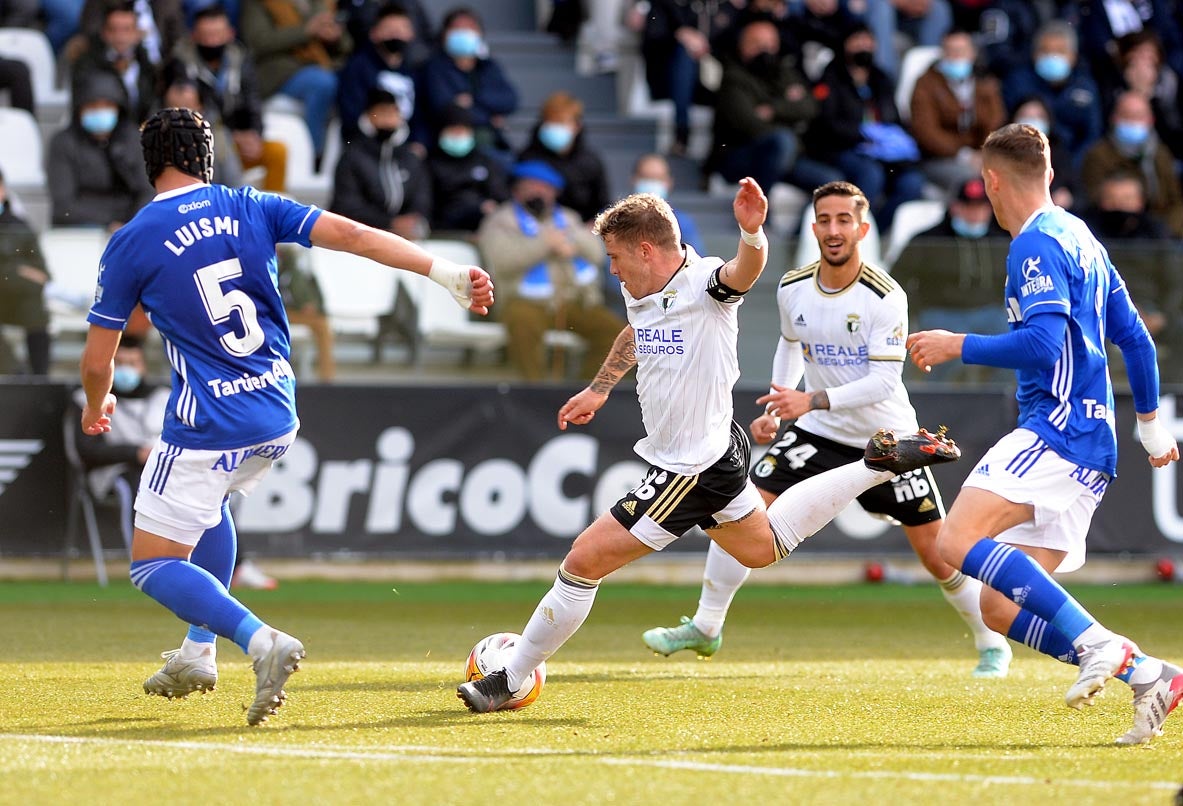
(673, 495)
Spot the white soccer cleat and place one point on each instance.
(1098, 663)
(271, 672)
(1153, 702)
(179, 678)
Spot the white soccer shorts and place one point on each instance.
(182, 489)
(1023, 469)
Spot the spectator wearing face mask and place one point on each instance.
(1065, 187)
(381, 60)
(1149, 260)
(380, 180)
(1064, 84)
(955, 275)
(953, 110)
(1131, 145)
(467, 182)
(547, 268)
(559, 140)
(463, 74)
(1145, 71)
(95, 165)
(651, 174)
(119, 51)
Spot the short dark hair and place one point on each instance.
(462, 11)
(118, 7)
(391, 9)
(1023, 148)
(212, 11)
(130, 341)
(847, 189)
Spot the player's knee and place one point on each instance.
(950, 546)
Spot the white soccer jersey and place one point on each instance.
(840, 333)
(686, 366)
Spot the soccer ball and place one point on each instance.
(488, 656)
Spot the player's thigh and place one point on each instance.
(923, 539)
(977, 513)
(748, 539)
(603, 547)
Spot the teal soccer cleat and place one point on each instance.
(993, 662)
(668, 640)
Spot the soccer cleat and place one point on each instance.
(668, 640)
(1153, 703)
(179, 678)
(1098, 663)
(250, 576)
(271, 672)
(487, 694)
(993, 662)
(886, 451)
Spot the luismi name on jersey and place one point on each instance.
(194, 231)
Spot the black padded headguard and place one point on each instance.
(181, 138)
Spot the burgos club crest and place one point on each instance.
(853, 323)
(668, 299)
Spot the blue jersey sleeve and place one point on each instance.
(1125, 328)
(118, 288)
(1038, 272)
(290, 221)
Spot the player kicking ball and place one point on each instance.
(201, 260)
(853, 318)
(1024, 511)
(682, 333)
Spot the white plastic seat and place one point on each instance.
(914, 64)
(911, 218)
(32, 47)
(356, 290)
(72, 257)
(808, 252)
(302, 179)
(21, 155)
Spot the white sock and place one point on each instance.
(721, 578)
(964, 593)
(1093, 634)
(192, 650)
(809, 505)
(560, 613)
(261, 642)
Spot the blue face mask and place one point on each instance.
(968, 229)
(955, 69)
(462, 43)
(99, 121)
(555, 136)
(654, 186)
(1130, 134)
(457, 145)
(1039, 124)
(1053, 68)
(125, 379)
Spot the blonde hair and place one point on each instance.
(1024, 150)
(640, 217)
(561, 105)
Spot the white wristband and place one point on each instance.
(454, 278)
(1155, 439)
(756, 240)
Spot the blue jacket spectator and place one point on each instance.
(1103, 23)
(1064, 84)
(381, 60)
(559, 139)
(463, 74)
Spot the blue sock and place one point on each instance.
(195, 596)
(1022, 580)
(1030, 629)
(215, 552)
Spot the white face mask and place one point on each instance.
(654, 186)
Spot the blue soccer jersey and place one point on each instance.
(201, 260)
(1056, 265)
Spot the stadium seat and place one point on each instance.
(916, 60)
(302, 180)
(72, 257)
(83, 502)
(21, 156)
(911, 219)
(357, 293)
(807, 251)
(33, 48)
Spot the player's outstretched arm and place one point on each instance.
(1157, 440)
(929, 348)
(471, 286)
(581, 408)
(751, 209)
(97, 369)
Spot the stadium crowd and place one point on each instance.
(801, 92)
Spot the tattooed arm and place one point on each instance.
(581, 408)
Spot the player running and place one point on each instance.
(682, 333)
(1038, 487)
(200, 258)
(842, 327)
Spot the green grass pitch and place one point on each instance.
(850, 694)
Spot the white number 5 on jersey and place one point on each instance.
(219, 306)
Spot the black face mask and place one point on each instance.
(394, 47)
(860, 58)
(763, 64)
(1120, 223)
(382, 135)
(211, 53)
(536, 206)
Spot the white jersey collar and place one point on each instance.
(171, 194)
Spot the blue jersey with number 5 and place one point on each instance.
(201, 260)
